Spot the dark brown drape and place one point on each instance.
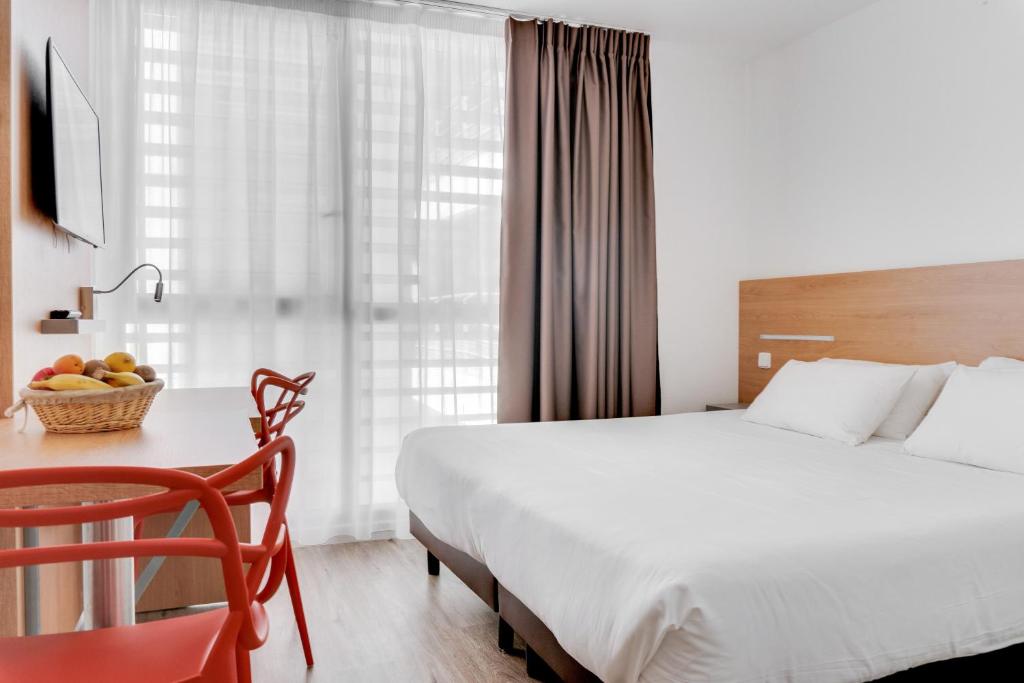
(579, 329)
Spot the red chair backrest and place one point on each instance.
(277, 400)
(282, 450)
(176, 489)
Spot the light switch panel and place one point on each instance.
(764, 360)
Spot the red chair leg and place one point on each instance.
(292, 577)
(243, 665)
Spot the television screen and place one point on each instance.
(76, 153)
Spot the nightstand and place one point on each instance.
(711, 407)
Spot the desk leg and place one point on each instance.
(109, 585)
(30, 579)
(52, 594)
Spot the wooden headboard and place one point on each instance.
(910, 315)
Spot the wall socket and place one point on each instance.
(764, 360)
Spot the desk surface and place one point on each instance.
(197, 430)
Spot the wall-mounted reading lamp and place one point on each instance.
(798, 337)
(764, 358)
(85, 294)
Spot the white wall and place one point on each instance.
(891, 138)
(46, 269)
(698, 169)
(894, 137)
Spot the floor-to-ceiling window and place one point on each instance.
(320, 182)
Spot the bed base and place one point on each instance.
(546, 660)
(472, 573)
(544, 656)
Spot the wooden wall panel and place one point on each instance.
(11, 611)
(911, 315)
(6, 281)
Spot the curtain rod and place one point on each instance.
(491, 10)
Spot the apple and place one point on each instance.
(43, 374)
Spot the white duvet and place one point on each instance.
(700, 547)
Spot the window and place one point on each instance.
(322, 191)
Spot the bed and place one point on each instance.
(701, 547)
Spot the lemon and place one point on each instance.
(120, 362)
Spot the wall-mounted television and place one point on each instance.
(75, 130)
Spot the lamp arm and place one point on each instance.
(85, 294)
(116, 287)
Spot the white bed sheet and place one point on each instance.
(699, 547)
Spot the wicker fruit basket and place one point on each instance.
(84, 412)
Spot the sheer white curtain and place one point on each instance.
(320, 181)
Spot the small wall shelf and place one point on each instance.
(71, 326)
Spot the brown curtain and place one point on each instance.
(579, 328)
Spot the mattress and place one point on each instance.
(699, 547)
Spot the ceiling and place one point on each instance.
(742, 27)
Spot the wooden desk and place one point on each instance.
(196, 430)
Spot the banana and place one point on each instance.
(123, 379)
(68, 382)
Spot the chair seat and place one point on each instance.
(156, 652)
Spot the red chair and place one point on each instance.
(209, 647)
(273, 419)
(278, 402)
(274, 415)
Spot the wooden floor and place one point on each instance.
(375, 615)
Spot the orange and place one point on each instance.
(69, 365)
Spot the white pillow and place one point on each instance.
(977, 420)
(832, 400)
(916, 399)
(1000, 363)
